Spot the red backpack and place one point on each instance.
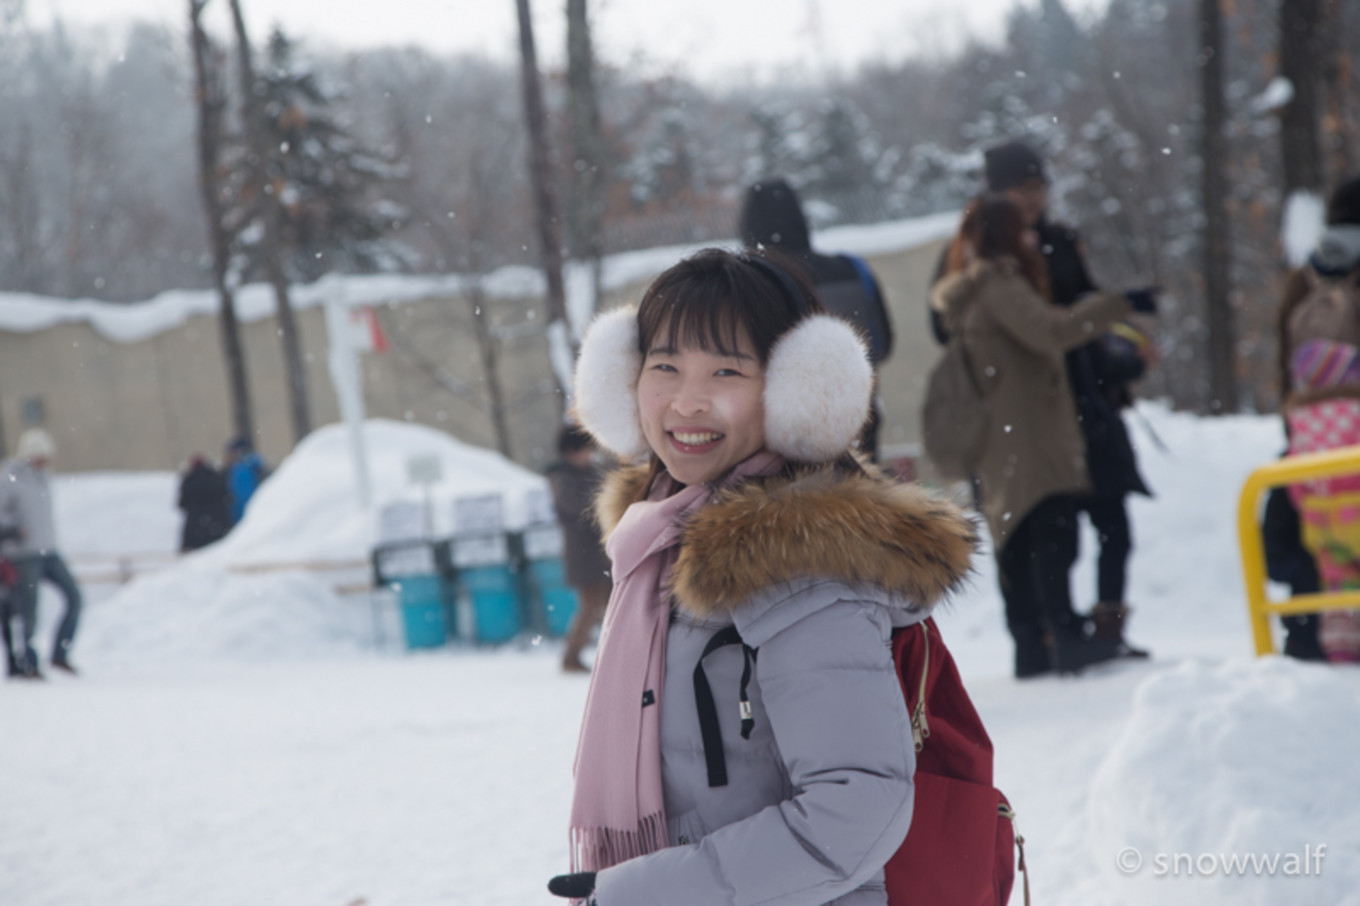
(960, 850)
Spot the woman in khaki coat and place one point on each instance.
(1034, 466)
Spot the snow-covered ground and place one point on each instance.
(241, 737)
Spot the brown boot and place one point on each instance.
(1107, 623)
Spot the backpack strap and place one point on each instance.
(866, 276)
(882, 338)
(920, 724)
(709, 729)
(1004, 810)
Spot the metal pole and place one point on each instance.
(344, 370)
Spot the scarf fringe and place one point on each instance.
(598, 848)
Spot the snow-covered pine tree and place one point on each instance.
(779, 139)
(335, 213)
(842, 169)
(663, 171)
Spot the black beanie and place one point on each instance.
(772, 216)
(1011, 164)
(1344, 205)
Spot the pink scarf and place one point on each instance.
(618, 810)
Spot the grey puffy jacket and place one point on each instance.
(26, 505)
(820, 795)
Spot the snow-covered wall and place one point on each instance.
(142, 385)
(129, 323)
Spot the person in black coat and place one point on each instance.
(574, 481)
(772, 219)
(206, 505)
(8, 579)
(1290, 563)
(1100, 374)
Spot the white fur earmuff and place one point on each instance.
(818, 387)
(607, 371)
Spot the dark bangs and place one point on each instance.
(709, 300)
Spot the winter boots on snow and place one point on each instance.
(1071, 649)
(1073, 646)
(1107, 622)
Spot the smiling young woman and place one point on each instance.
(705, 774)
(702, 411)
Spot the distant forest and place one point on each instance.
(422, 159)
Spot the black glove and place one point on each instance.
(576, 887)
(1144, 299)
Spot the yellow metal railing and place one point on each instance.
(1293, 469)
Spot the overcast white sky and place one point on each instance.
(710, 40)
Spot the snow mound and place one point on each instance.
(1229, 784)
(258, 594)
(309, 509)
(196, 613)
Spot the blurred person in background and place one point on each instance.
(245, 472)
(772, 219)
(1100, 374)
(26, 513)
(206, 504)
(1033, 472)
(574, 481)
(1320, 303)
(8, 579)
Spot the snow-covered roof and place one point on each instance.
(131, 323)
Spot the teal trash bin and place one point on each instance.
(412, 572)
(486, 576)
(556, 601)
(424, 617)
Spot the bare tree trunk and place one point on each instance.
(79, 139)
(212, 101)
(586, 210)
(486, 347)
(1302, 62)
(496, 408)
(22, 211)
(271, 217)
(545, 199)
(1213, 151)
(1341, 132)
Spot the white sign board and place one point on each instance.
(538, 503)
(427, 469)
(361, 330)
(401, 520)
(543, 542)
(478, 515)
(487, 550)
(407, 561)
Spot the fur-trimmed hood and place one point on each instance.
(954, 290)
(808, 523)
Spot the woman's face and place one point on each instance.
(702, 412)
(1031, 197)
